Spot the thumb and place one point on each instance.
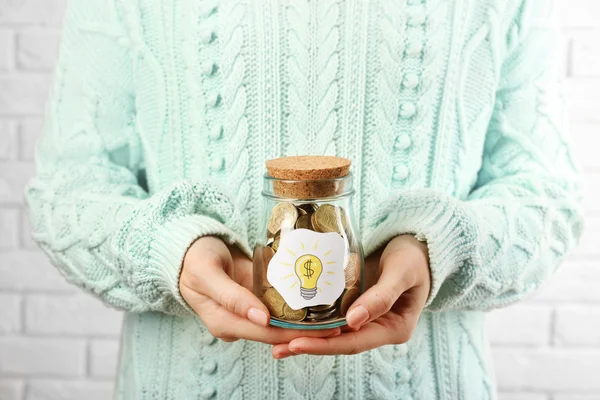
(378, 299)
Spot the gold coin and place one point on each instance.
(275, 243)
(323, 307)
(304, 222)
(283, 215)
(293, 315)
(352, 270)
(319, 316)
(307, 208)
(274, 302)
(267, 255)
(330, 218)
(301, 211)
(350, 296)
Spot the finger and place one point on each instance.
(217, 285)
(224, 324)
(408, 308)
(272, 335)
(229, 339)
(378, 299)
(369, 337)
(281, 351)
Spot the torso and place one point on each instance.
(404, 89)
(393, 87)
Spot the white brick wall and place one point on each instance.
(57, 343)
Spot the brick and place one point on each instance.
(523, 396)
(30, 270)
(77, 314)
(581, 135)
(547, 369)
(11, 389)
(579, 13)
(583, 97)
(13, 178)
(69, 390)
(575, 281)
(577, 326)
(27, 241)
(24, 94)
(42, 12)
(7, 49)
(572, 396)
(10, 314)
(9, 228)
(104, 358)
(9, 142)
(30, 130)
(591, 206)
(37, 49)
(520, 324)
(40, 356)
(585, 54)
(565, 55)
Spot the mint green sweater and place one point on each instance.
(163, 113)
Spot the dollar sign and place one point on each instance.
(307, 267)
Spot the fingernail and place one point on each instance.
(357, 316)
(334, 334)
(258, 317)
(297, 350)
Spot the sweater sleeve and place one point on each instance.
(524, 214)
(89, 211)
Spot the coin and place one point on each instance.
(293, 315)
(307, 208)
(322, 315)
(350, 295)
(301, 211)
(351, 270)
(274, 302)
(313, 222)
(329, 218)
(304, 222)
(323, 307)
(275, 243)
(267, 254)
(282, 215)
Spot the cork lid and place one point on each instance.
(308, 167)
(308, 177)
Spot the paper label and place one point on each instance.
(308, 268)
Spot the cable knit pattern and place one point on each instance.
(162, 115)
(312, 67)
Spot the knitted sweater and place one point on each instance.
(163, 113)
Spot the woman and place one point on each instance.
(150, 169)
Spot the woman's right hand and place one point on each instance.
(216, 282)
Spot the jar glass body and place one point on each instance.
(308, 264)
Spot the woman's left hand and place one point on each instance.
(387, 313)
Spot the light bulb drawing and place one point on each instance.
(308, 269)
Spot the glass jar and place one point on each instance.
(308, 259)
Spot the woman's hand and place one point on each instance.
(387, 313)
(215, 282)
